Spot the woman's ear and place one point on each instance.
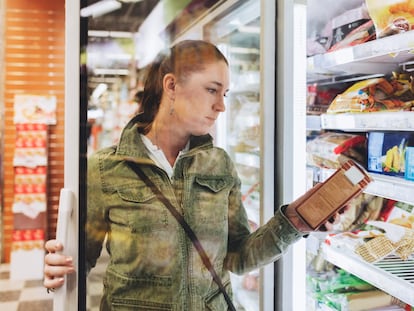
(169, 84)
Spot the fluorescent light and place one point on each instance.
(113, 72)
(110, 34)
(100, 8)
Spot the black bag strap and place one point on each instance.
(187, 229)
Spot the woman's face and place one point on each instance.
(199, 99)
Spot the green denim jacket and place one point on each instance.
(153, 265)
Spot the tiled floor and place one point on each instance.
(20, 295)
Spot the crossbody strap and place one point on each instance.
(187, 229)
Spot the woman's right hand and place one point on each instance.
(56, 266)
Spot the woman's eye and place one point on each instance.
(211, 91)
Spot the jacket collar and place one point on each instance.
(131, 145)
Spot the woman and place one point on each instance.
(154, 265)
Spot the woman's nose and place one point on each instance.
(219, 105)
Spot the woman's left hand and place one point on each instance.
(300, 224)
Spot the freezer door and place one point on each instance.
(245, 33)
(66, 297)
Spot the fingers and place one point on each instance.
(53, 246)
(56, 259)
(57, 272)
(292, 215)
(56, 265)
(296, 220)
(49, 282)
(329, 225)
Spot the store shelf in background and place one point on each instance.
(391, 187)
(386, 53)
(245, 88)
(389, 121)
(391, 274)
(247, 159)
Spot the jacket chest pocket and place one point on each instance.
(138, 210)
(211, 198)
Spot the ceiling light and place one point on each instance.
(113, 72)
(110, 34)
(100, 8)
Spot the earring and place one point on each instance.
(171, 107)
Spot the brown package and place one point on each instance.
(347, 182)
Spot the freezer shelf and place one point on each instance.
(370, 121)
(392, 274)
(385, 53)
(391, 187)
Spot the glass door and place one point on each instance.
(237, 33)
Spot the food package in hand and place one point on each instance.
(333, 194)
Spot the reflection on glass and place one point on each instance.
(237, 33)
(112, 102)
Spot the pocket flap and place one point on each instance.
(215, 184)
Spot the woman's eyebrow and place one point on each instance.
(219, 84)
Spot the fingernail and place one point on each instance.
(69, 259)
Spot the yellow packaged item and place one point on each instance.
(369, 95)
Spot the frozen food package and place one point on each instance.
(359, 301)
(399, 213)
(326, 149)
(330, 196)
(396, 239)
(387, 152)
(361, 209)
(320, 96)
(376, 94)
(391, 17)
(321, 24)
(345, 23)
(363, 33)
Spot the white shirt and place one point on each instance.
(158, 156)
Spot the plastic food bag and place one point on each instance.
(376, 94)
(391, 17)
(326, 149)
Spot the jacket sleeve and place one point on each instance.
(248, 251)
(96, 224)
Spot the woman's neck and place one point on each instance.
(168, 139)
